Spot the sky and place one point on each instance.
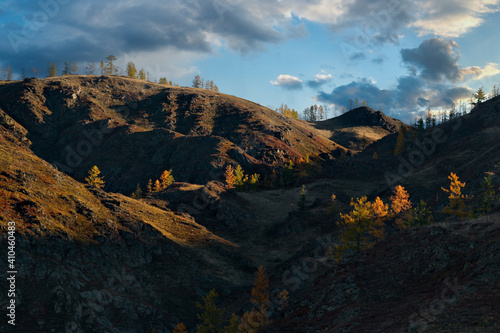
(401, 56)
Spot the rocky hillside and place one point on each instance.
(133, 130)
(92, 260)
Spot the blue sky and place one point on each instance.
(402, 56)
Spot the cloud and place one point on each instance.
(319, 80)
(436, 59)
(451, 18)
(288, 82)
(478, 73)
(411, 95)
(363, 89)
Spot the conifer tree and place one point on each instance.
(420, 215)
(488, 196)
(137, 193)
(400, 204)
(230, 177)
(257, 317)
(241, 178)
(166, 179)
(66, 68)
(110, 66)
(480, 96)
(400, 143)
(457, 206)
(74, 68)
(197, 83)
(52, 69)
(142, 75)
(102, 68)
(94, 179)
(149, 187)
(212, 317)
(157, 186)
(131, 70)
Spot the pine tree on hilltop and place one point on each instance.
(52, 69)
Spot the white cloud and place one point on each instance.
(452, 18)
(478, 73)
(288, 82)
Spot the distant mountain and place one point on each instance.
(360, 127)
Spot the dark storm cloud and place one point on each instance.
(79, 30)
(435, 60)
(362, 90)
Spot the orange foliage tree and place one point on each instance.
(457, 206)
(400, 207)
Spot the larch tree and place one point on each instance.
(94, 179)
(480, 96)
(74, 68)
(212, 317)
(103, 69)
(66, 68)
(456, 207)
(230, 177)
(110, 66)
(257, 317)
(400, 143)
(149, 187)
(241, 178)
(157, 186)
(52, 69)
(360, 227)
(400, 205)
(166, 179)
(142, 75)
(197, 83)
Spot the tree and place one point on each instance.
(110, 66)
(428, 119)
(94, 179)
(230, 177)
(212, 317)
(137, 193)
(142, 75)
(149, 187)
(361, 227)
(488, 196)
(400, 143)
(9, 73)
(258, 316)
(90, 68)
(180, 328)
(131, 70)
(240, 177)
(496, 91)
(254, 180)
(74, 68)
(66, 68)
(400, 204)
(420, 215)
(302, 201)
(480, 96)
(52, 69)
(166, 179)
(375, 156)
(456, 206)
(157, 186)
(103, 69)
(197, 82)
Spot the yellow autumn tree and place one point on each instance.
(457, 207)
(258, 316)
(241, 178)
(94, 179)
(166, 179)
(180, 328)
(157, 186)
(361, 227)
(230, 177)
(400, 207)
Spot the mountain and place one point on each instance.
(359, 127)
(97, 260)
(118, 123)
